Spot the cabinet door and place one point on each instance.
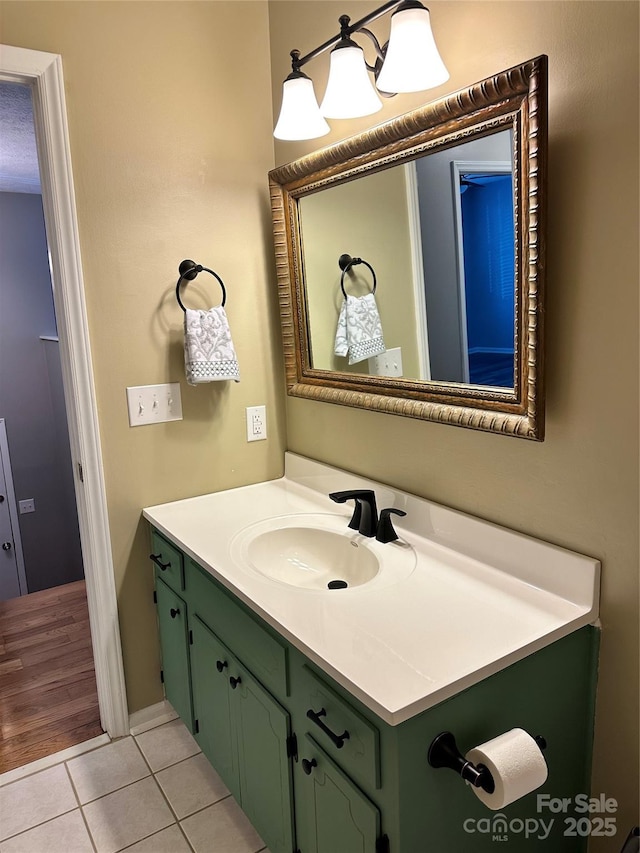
(212, 705)
(263, 727)
(174, 644)
(332, 814)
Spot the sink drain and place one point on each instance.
(337, 585)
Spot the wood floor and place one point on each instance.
(48, 697)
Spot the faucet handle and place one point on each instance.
(386, 532)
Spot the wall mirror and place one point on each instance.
(440, 215)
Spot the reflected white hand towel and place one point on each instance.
(209, 354)
(359, 332)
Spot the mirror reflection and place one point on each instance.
(446, 207)
(436, 235)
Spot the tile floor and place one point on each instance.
(152, 793)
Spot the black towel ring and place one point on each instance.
(189, 270)
(345, 262)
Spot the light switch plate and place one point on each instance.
(388, 363)
(153, 404)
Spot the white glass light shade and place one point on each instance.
(412, 62)
(300, 116)
(350, 92)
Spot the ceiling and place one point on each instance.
(19, 171)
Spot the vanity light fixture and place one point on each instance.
(408, 62)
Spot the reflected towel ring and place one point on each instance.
(189, 270)
(345, 262)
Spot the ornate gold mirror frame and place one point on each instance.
(514, 99)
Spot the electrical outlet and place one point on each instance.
(256, 423)
(27, 505)
(153, 404)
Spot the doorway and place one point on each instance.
(47, 680)
(35, 442)
(42, 72)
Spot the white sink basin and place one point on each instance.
(319, 552)
(312, 558)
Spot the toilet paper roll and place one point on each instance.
(516, 764)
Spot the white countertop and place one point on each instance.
(480, 597)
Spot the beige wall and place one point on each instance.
(171, 144)
(579, 488)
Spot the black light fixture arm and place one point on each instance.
(381, 50)
(347, 29)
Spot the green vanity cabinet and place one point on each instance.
(212, 705)
(262, 729)
(318, 772)
(174, 645)
(332, 814)
(244, 732)
(168, 561)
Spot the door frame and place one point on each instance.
(43, 72)
(417, 268)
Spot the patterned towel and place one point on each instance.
(359, 330)
(209, 354)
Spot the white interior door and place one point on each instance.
(12, 576)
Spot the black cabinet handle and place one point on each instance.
(175, 612)
(234, 682)
(308, 766)
(220, 665)
(337, 740)
(156, 559)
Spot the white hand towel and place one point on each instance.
(359, 332)
(209, 354)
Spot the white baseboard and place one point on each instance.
(150, 717)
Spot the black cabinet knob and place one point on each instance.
(6, 546)
(234, 682)
(175, 612)
(221, 664)
(308, 766)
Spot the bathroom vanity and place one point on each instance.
(317, 705)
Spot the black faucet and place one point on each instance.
(365, 515)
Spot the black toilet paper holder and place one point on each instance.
(444, 752)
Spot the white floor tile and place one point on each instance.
(167, 745)
(107, 769)
(64, 834)
(169, 840)
(35, 799)
(191, 785)
(128, 815)
(222, 827)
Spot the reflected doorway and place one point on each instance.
(485, 235)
